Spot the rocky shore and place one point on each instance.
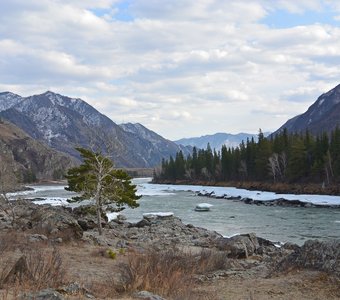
(273, 202)
(245, 257)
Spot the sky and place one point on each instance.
(182, 68)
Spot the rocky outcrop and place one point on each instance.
(273, 202)
(286, 203)
(164, 231)
(315, 255)
(73, 289)
(53, 222)
(240, 246)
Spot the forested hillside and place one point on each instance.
(295, 158)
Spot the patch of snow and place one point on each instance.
(204, 205)
(321, 101)
(158, 214)
(112, 216)
(165, 190)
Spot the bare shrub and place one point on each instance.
(11, 240)
(164, 272)
(169, 273)
(35, 269)
(211, 260)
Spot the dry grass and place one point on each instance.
(27, 266)
(169, 273)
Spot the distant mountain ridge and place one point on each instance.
(8, 100)
(164, 146)
(64, 123)
(217, 140)
(322, 116)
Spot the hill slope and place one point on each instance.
(322, 116)
(29, 158)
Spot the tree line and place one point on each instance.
(290, 158)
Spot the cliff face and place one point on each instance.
(29, 159)
(322, 116)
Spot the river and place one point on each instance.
(228, 217)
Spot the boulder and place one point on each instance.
(47, 294)
(147, 296)
(55, 221)
(51, 221)
(316, 255)
(239, 246)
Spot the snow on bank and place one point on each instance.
(164, 189)
(56, 194)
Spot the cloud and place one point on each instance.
(182, 68)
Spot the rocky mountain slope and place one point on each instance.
(8, 99)
(64, 123)
(28, 158)
(322, 116)
(217, 140)
(164, 146)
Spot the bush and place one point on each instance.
(35, 269)
(169, 273)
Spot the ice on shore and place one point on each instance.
(56, 195)
(165, 190)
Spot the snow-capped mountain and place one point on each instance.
(217, 140)
(322, 116)
(64, 123)
(8, 99)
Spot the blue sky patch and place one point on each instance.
(123, 11)
(285, 19)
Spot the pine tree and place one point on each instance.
(96, 179)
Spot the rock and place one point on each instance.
(291, 246)
(142, 223)
(37, 238)
(147, 295)
(87, 224)
(55, 221)
(165, 231)
(240, 246)
(316, 255)
(158, 215)
(52, 221)
(47, 294)
(75, 289)
(87, 217)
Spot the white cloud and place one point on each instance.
(182, 68)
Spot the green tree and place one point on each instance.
(97, 179)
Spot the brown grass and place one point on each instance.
(28, 266)
(169, 273)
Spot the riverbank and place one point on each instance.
(280, 188)
(158, 254)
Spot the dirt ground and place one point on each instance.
(92, 267)
(88, 266)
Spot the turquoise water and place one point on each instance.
(228, 217)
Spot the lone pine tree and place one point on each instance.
(96, 179)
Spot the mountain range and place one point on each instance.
(217, 140)
(322, 116)
(64, 123)
(39, 133)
